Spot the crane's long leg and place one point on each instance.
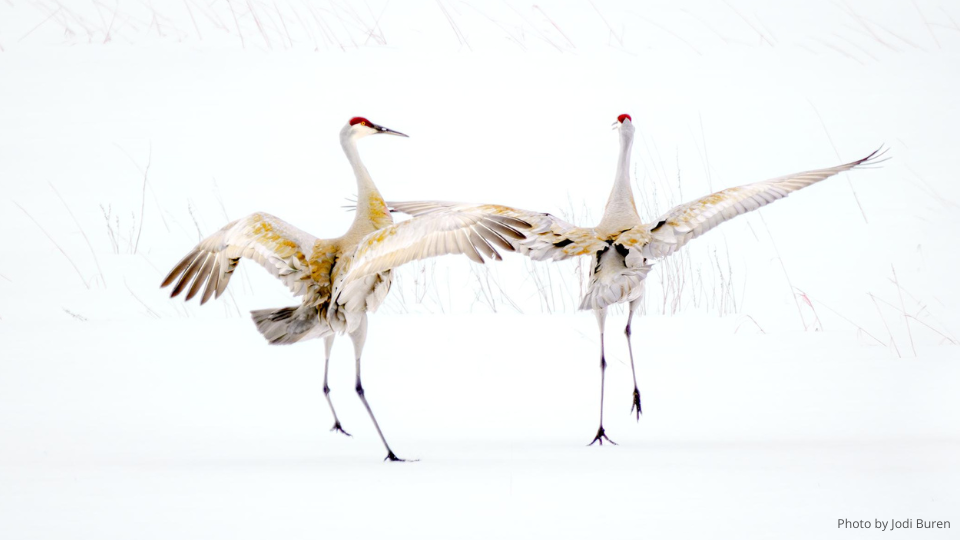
(328, 347)
(601, 435)
(636, 392)
(359, 336)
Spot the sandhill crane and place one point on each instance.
(336, 300)
(622, 247)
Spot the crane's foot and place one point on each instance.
(601, 436)
(393, 457)
(636, 403)
(338, 427)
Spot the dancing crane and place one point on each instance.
(622, 247)
(340, 279)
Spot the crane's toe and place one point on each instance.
(393, 457)
(601, 436)
(338, 427)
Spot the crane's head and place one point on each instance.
(624, 125)
(359, 126)
(623, 120)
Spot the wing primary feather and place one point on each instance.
(463, 245)
(466, 247)
(202, 274)
(478, 242)
(505, 230)
(228, 268)
(188, 274)
(179, 268)
(212, 282)
(513, 222)
(494, 237)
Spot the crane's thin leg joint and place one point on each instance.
(328, 345)
(601, 434)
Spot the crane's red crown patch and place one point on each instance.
(359, 120)
(620, 118)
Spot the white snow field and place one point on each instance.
(798, 366)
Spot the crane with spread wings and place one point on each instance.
(339, 279)
(622, 247)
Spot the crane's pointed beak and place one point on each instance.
(382, 129)
(615, 125)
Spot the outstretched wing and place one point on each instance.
(690, 220)
(285, 251)
(548, 237)
(473, 232)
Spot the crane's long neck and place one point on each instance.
(372, 212)
(621, 211)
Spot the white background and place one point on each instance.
(825, 389)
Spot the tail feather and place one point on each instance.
(625, 285)
(290, 324)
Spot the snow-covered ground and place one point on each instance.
(188, 429)
(806, 373)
